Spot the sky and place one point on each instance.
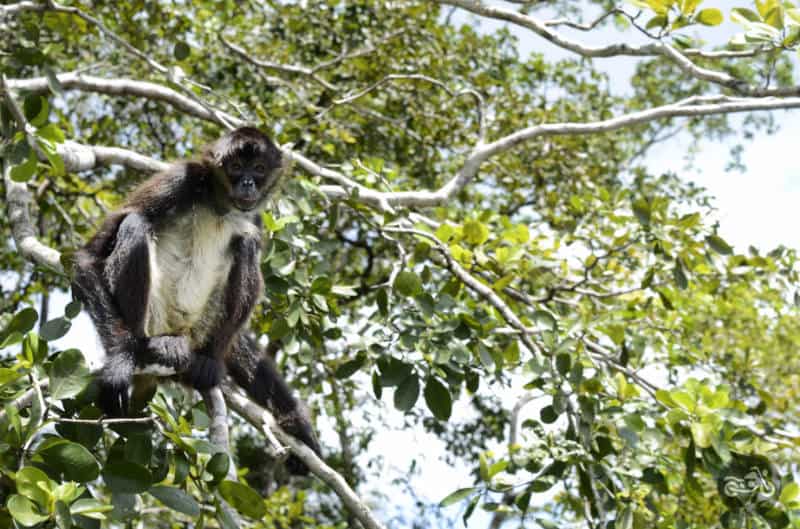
(754, 208)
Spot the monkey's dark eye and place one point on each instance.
(259, 167)
(236, 166)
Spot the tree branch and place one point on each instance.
(285, 68)
(260, 418)
(12, 9)
(347, 188)
(543, 29)
(123, 87)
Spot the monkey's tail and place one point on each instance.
(257, 374)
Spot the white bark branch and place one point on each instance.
(261, 419)
(684, 108)
(123, 87)
(83, 157)
(12, 9)
(543, 29)
(19, 200)
(218, 425)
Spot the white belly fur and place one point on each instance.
(189, 265)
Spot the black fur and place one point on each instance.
(256, 373)
(112, 279)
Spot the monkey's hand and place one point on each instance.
(168, 353)
(115, 381)
(205, 371)
(298, 425)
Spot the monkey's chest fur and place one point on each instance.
(190, 261)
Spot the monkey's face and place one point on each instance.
(252, 176)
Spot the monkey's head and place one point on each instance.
(246, 166)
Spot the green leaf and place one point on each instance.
(350, 367)
(407, 393)
(72, 309)
(457, 496)
(90, 508)
(742, 15)
(774, 16)
(642, 211)
(475, 232)
(177, 500)
(53, 82)
(470, 509)
(688, 7)
(710, 17)
(74, 461)
(69, 374)
(37, 110)
(683, 399)
(321, 285)
(28, 484)
(657, 22)
(24, 171)
(24, 510)
(139, 447)
(438, 399)
(218, 465)
(790, 493)
(243, 499)
(563, 362)
(276, 285)
(545, 319)
(51, 132)
(407, 284)
(679, 275)
(55, 329)
(548, 414)
(496, 468)
(701, 433)
(126, 477)
(181, 51)
(483, 466)
(719, 245)
(63, 516)
(8, 375)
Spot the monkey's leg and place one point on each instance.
(115, 288)
(242, 291)
(257, 375)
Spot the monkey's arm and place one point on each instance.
(256, 373)
(242, 290)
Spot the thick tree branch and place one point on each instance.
(346, 188)
(123, 87)
(19, 200)
(13, 9)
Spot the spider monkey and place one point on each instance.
(171, 278)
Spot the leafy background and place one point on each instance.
(571, 325)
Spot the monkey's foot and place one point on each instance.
(205, 372)
(114, 382)
(164, 355)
